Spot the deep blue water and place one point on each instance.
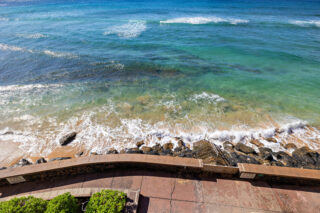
(131, 69)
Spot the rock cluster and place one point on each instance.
(227, 155)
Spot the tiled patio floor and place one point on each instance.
(166, 192)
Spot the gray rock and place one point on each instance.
(59, 158)
(65, 140)
(41, 160)
(2, 168)
(140, 143)
(245, 149)
(112, 151)
(228, 146)
(265, 153)
(133, 151)
(23, 162)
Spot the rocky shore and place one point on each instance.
(227, 155)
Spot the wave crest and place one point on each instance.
(130, 30)
(204, 20)
(32, 36)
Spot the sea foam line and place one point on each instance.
(130, 30)
(204, 20)
(6, 47)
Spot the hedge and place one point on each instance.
(106, 201)
(24, 205)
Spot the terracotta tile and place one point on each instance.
(157, 186)
(126, 180)
(185, 207)
(216, 208)
(154, 205)
(98, 180)
(220, 191)
(256, 195)
(188, 190)
(298, 199)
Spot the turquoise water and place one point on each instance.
(122, 71)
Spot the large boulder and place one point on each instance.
(265, 154)
(209, 153)
(239, 158)
(244, 148)
(65, 140)
(306, 158)
(285, 159)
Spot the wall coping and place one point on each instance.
(246, 170)
(251, 170)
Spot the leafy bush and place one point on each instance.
(65, 203)
(24, 205)
(106, 201)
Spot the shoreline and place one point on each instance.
(227, 154)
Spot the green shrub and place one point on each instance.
(65, 203)
(24, 205)
(106, 201)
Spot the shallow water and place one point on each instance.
(122, 71)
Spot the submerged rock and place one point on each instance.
(79, 154)
(65, 140)
(244, 148)
(41, 160)
(256, 142)
(273, 140)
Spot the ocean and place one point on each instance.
(122, 71)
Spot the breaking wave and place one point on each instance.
(306, 23)
(204, 20)
(130, 30)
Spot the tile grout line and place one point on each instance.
(174, 186)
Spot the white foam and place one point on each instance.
(59, 54)
(306, 23)
(32, 36)
(3, 19)
(51, 53)
(209, 97)
(130, 30)
(10, 48)
(27, 87)
(204, 20)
